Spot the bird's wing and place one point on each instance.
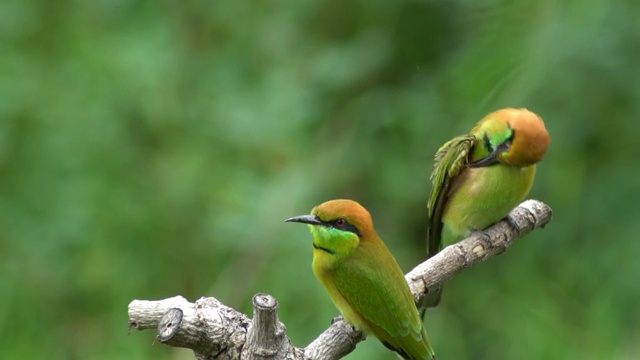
(374, 286)
(450, 160)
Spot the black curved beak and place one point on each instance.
(305, 219)
(488, 160)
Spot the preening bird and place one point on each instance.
(480, 177)
(363, 278)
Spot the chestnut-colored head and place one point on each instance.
(338, 226)
(515, 137)
(356, 218)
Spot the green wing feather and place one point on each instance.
(450, 159)
(374, 286)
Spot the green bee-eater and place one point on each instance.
(363, 279)
(480, 177)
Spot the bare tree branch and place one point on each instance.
(215, 331)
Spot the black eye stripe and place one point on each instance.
(343, 224)
(487, 142)
(511, 136)
(508, 141)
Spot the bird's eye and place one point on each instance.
(507, 144)
(344, 225)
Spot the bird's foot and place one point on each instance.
(485, 239)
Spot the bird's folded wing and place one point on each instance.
(450, 160)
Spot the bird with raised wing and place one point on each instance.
(478, 178)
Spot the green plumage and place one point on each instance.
(363, 279)
(480, 177)
(466, 198)
(450, 159)
(374, 286)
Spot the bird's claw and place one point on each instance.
(485, 238)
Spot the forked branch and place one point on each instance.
(215, 331)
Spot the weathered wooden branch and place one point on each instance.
(215, 331)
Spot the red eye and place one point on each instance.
(340, 223)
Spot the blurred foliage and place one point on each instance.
(149, 149)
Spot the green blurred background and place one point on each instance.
(153, 148)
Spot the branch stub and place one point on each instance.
(169, 324)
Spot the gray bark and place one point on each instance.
(215, 331)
